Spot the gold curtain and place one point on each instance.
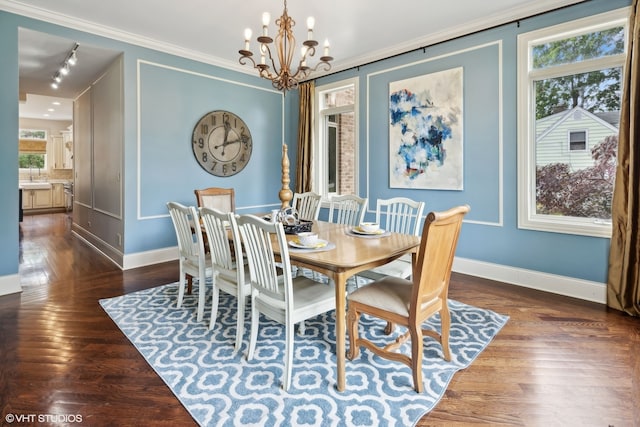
(305, 136)
(623, 291)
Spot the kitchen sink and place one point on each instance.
(34, 185)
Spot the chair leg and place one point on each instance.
(181, 288)
(255, 319)
(353, 318)
(416, 357)
(288, 358)
(215, 298)
(201, 297)
(445, 322)
(189, 284)
(242, 301)
(389, 328)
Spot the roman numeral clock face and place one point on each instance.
(222, 143)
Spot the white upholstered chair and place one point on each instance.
(229, 272)
(398, 215)
(191, 250)
(307, 204)
(347, 209)
(274, 292)
(222, 199)
(411, 302)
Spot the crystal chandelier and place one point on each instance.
(282, 76)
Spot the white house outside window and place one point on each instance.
(569, 94)
(335, 148)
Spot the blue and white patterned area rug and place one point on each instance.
(221, 388)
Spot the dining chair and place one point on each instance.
(411, 302)
(229, 272)
(222, 199)
(347, 209)
(191, 250)
(275, 293)
(307, 205)
(398, 215)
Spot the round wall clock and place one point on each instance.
(222, 143)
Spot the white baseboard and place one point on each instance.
(10, 284)
(156, 256)
(562, 285)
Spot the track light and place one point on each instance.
(71, 59)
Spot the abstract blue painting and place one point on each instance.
(425, 131)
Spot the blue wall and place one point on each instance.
(165, 96)
(490, 232)
(8, 147)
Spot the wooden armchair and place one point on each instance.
(409, 303)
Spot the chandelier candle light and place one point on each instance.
(282, 76)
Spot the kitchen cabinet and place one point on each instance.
(63, 151)
(36, 199)
(58, 199)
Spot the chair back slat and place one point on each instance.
(189, 235)
(347, 209)
(265, 279)
(400, 215)
(217, 225)
(307, 204)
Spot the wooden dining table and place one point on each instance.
(351, 255)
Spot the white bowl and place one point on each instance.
(308, 238)
(369, 227)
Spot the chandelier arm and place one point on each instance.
(273, 63)
(244, 60)
(324, 64)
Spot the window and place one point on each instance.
(33, 160)
(32, 150)
(577, 140)
(569, 98)
(336, 139)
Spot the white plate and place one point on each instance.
(320, 244)
(359, 230)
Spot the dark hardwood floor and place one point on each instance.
(557, 362)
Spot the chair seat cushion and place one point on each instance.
(390, 293)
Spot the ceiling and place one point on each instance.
(359, 31)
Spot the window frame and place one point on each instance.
(319, 178)
(528, 218)
(27, 134)
(586, 140)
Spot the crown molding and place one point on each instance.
(74, 23)
(507, 16)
